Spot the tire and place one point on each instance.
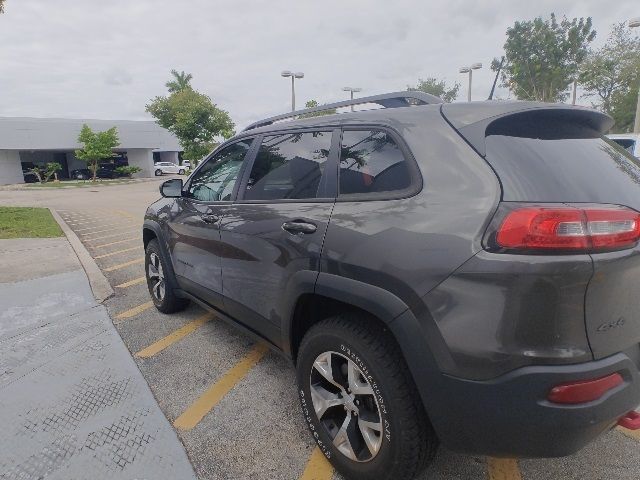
(160, 289)
(158, 172)
(181, 171)
(401, 441)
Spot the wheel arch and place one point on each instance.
(152, 230)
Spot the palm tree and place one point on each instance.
(181, 81)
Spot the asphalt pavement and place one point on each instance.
(233, 405)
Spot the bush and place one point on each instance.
(127, 171)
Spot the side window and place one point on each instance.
(289, 166)
(215, 180)
(371, 162)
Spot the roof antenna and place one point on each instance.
(495, 80)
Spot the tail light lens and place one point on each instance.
(584, 391)
(563, 228)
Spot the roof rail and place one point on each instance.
(387, 100)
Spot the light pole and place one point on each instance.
(287, 73)
(635, 22)
(351, 89)
(469, 70)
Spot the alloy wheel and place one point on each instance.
(346, 406)
(156, 277)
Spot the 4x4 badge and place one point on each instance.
(605, 327)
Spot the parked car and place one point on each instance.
(186, 164)
(628, 141)
(440, 273)
(168, 167)
(104, 171)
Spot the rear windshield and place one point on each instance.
(565, 163)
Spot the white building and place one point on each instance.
(36, 141)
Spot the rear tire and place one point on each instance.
(356, 376)
(158, 283)
(158, 172)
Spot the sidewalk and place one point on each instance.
(72, 401)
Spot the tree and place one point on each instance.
(127, 170)
(51, 169)
(181, 81)
(193, 118)
(436, 87)
(543, 56)
(97, 146)
(611, 74)
(314, 104)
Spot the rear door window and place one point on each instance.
(371, 162)
(289, 166)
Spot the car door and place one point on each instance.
(272, 235)
(193, 227)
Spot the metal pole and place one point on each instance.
(470, 78)
(351, 99)
(575, 86)
(293, 94)
(636, 125)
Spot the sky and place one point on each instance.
(107, 59)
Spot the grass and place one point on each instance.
(26, 222)
(79, 183)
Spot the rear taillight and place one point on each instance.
(564, 228)
(584, 391)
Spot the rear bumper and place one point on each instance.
(510, 416)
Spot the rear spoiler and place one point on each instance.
(474, 121)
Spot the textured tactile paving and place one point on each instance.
(73, 405)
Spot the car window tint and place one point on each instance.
(216, 179)
(289, 166)
(371, 162)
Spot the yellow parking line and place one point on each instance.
(318, 467)
(106, 236)
(124, 265)
(635, 434)
(89, 234)
(132, 312)
(503, 469)
(210, 398)
(115, 243)
(118, 252)
(135, 281)
(99, 226)
(172, 338)
(122, 213)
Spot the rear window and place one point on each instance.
(562, 163)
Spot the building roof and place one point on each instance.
(25, 133)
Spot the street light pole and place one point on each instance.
(469, 70)
(351, 89)
(636, 125)
(288, 73)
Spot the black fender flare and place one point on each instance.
(155, 227)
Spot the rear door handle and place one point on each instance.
(299, 227)
(209, 217)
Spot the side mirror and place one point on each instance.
(171, 188)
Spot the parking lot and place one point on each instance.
(233, 402)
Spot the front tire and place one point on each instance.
(158, 172)
(158, 283)
(360, 402)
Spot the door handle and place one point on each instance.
(209, 218)
(299, 227)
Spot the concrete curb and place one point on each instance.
(99, 284)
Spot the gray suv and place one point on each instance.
(462, 274)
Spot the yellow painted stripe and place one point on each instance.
(122, 213)
(503, 469)
(99, 226)
(635, 434)
(116, 243)
(118, 252)
(91, 234)
(132, 312)
(210, 398)
(172, 338)
(137, 261)
(97, 239)
(318, 467)
(130, 283)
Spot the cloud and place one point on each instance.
(99, 59)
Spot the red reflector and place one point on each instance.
(584, 391)
(569, 228)
(631, 421)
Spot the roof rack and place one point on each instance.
(387, 100)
